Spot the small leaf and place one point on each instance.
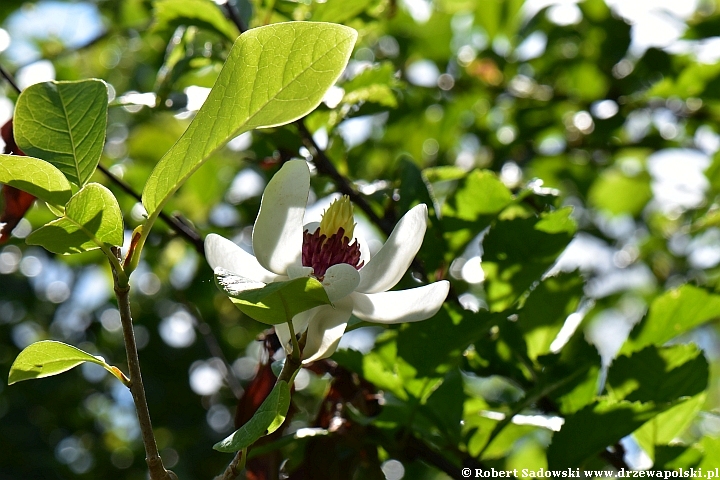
(169, 14)
(47, 358)
(92, 219)
(267, 419)
(36, 177)
(273, 75)
(275, 302)
(64, 123)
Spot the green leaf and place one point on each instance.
(36, 177)
(273, 76)
(434, 345)
(617, 193)
(169, 14)
(592, 429)
(668, 425)
(338, 11)
(275, 302)
(519, 251)
(658, 374)
(47, 358)
(266, 420)
(570, 378)
(671, 314)
(479, 197)
(92, 219)
(64, 123)
(546, 309)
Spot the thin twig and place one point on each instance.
(9, 78)
(326, 167)
(234, 16)
(152, 457)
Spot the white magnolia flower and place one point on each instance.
(285, 249)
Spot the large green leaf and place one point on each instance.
(275, 302)
(266, 420)
(64, 123)
(92, 219)
(36, 177)
(47, 358)
(671, 314)
(169, 14)
(273, 75)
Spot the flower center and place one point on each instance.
(330, 244)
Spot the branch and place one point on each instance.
(152, 457)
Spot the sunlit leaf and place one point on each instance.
(266, 420)
(92, 219)
(47, 358)
(668, 425)
(273, 75)
(64, 123)
(35, 177)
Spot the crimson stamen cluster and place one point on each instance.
(321, 253)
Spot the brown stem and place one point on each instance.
(152, 457)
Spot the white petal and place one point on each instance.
(300, 323)
(277, 235)
(389, 264)
(401, 306)
(297, 271)
(340, 280)
(325, 330)
(221, 252)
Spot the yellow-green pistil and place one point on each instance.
(330, 244)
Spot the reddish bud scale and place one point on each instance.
(321, 253)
